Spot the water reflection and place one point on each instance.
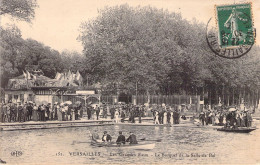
(179, 145)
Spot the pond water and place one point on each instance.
(178, 145)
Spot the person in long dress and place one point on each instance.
(93, 114)
(117, 116)
(212, 116)
(242, 123)
(34, 113)
(217, 118)
(66, 113)
(224, 119)
(164, 117)
(59, 112)
(73, 114)
(171, 120)
(156, 118)
(238, 123)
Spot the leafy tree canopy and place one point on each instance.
(19, 9)
(158, 51)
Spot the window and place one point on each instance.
(15, 97)
(10, 97)
(22, 98)
(30, 97)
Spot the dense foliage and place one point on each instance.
(22, 10)
(160, 52)
(18, 55)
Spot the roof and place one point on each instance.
(19, 77)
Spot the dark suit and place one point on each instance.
(97, 112)
(108, 139)
(132, 139)
(120, 139)
(202, 118)
(89, 112)
(29, 109)
(168, 117)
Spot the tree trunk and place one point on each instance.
(223, 97)
(233, 96)
(244, 95)
(136, 88)
(148, 96)
(217, 101)
(203, 95)
(210, 97)
(228, 95)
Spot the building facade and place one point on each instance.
(34, 86)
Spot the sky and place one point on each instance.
(56, 23)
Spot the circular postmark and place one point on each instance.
(232, 52)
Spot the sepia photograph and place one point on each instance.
(129, 82)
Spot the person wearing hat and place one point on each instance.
(12, 113)
(29, 109)
(132, 139)
(122, 116)
(106, 137)
(112, 112)
(8, 113)
(248, 118)
(25, 113)
(104, 111)
(120, 139)
(168, 113)
(95, 136)
(51, 109)
(202, 117)
(233, 120)
(97, 109)
(156, 120)
(20, 112)
(89, 111)
(55, 111)
(34, 112)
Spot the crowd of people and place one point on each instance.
(229, 117)
(29, 111)
(66, 111)
(162, 114)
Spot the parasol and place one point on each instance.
(78, 102)
(44, 102)
(68, 102)
(232, 109)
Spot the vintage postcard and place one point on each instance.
(129, 82)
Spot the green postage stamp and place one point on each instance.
(235, 25)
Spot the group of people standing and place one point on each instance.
(118, 113)
(226, 117)
(164, 114)
(29, 111)
(16, 112)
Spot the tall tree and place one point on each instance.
(159, 52)
(18, 54)
(19, 9)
